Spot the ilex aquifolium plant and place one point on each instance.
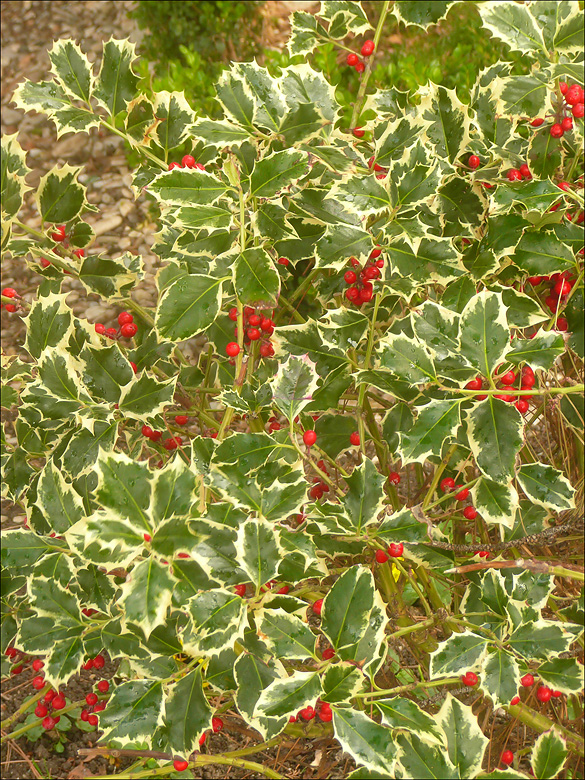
(393, 326)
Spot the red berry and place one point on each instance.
(172, 444)
(37, 664)
(174, 165)
(508, 379)
(45, 263)
(522, 405)
(325, 713)
(49, 723)
(514, 175)
(216, 725)
(125, 317)
(41, 710)
(309, 437)
(9, 292)
(255, 320)
(93, 720)
(556, 694)
(90, 699)
(253, 334)
(447, 484)
(355, 439)
(563, 86)
(462, 495)
(366, 295)
(129, 330)
(358, 132)
(188, 161)
(578, 110)
(474, 161)
(352, 59)
(527, 680)
(147, 538)
(567, 124)
(240, 590)
(574, 95)
(283, 261)
(551, 302)
(50, 695)
(134, 366)
(562, 287)
(103, 686)
(284, 590)
(514, 701)
(317, 606)
(99, 661)
(381, 556)
(534, 280)
(202, 739)
(543, 693)
(562, 324)
(233, 314)
(308, 713)
(180, 765)
(470, 512)
(352, 293)
(78, 253)
(360, 67)
(474, 384)
(181, 419)
(84, 715)
(267, 325)
(507, 757)
(470, 679)
(394, 477)
(232, 349)
(266, 350)
(38, 683)
(316, 492)
(147, 431)
(368, 48)
(376, 252)
(396, 550)
(564, 185)
(328, 653)
(350, 277)
(292, 719)
(58, 702)
(525, 171)
(557, 130)
(156, 435)
(537, 122)
(59, 234)
(99, 328)
(354, 262)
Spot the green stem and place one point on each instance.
(287, 305)
(437, 476)
(300, 291)
(357, 109)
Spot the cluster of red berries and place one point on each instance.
(128, 328)
(241, 589)
(179, 764)
(506, 380)
(9, 292)
(394, 551)
(256, 326)
(319, 486)
(188, 161)
(354, 61)
(378, 169)
(543, 692)
(323, 712)
(448, 483)
(561, 285)
(361, 289)
(60, 236)
(169, 444)
(573, 101)
(517, 174)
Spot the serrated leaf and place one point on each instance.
(459, 653)
(256, 280)
(542, 254)
(50, 599)
(484, 334)
(258, 551)
(59, 196)
(277, 171)
(361, 195)
(562, 674)
(217, 620)
(176, 117)
(366, 741)
(133, 712)
(116, 84)
(187, 187)
(72, 69)
(341, 242)
(466, 743)
(434, 259)
(294, 385)
(405, 714)
(146, 595)
(57, 500)
(406, 359)
(347, 607)
(496, 503)
(219, 132)
(287, 696)
(569, 36)
(422, 14)
(494, 429)
(435, 422)
(546, 486)
(533, 195)
(341, 682)
(21, 549)
(365, 498)
(106, 372)
(541, 351)
(539, 639)
(49, 323)
(500, 677)
(286, 635)
(188, 306)
(253, 675)
(514, 25)
(187, 713)
(447, 118)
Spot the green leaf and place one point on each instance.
(496, 503)
(341, 242)
(72, 69)
(550, 749)
(405, 714)
(541, 351)
(176, 115)
(133, 712)
(235, 97)
(448, 121)
(116, 84)
(458, 654)
(253, 675)
(546, 486)
(287, 696)
(67, 656)
(59, 196)
(187, 714)
(219, 132)
(57, 500)
(146, 397)
(50, 599)
(562, 674)
(333, 433)
(173, 491)
(494, 428)
(533, 195)
(49, 323)
(106, 372)
(304, 34)
(434, 260)
(544, 153)
(521, 95)
(368, 743)
(539, 639)
(569, 39)
(217, 620)
(361, 195)
(422, 14)
(187, 187)
(21, 549)
(500, 677)
(277, 171)
(484, 334)
(256, 280)
(341, 682)
(286, 635)
(461, 205)
(435, 422)
(365, 498)
(188, 307)
(347, 607)
(258, 551)
(111, 278)
(419, 759)
(466, 743)
(406, 359)
(294, 385)
(541, 254)
(146, 595)
(415, 179)
(514, 25)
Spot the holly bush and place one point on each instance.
(392, 383)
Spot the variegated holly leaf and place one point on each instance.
(540, 253)
(347, 607)
(550, 749)
(72, 69)
(422, 14)
(284, 697)
(546, 486)
(256, 280)
(276, 172)
(447, 120)
(521, 95)
(217, 619)
(187, 714)
(361, 195)
(59, 196)
(433, 259)
(405, 358)
(365, 498)
(457, 654)
(294, 385)
(436, 422)
(187, 186)
(253, 675)
(111, 279)
(306, 33)
(134, 712)
(146, 595)
(188, 306)
(258, 550)
(414, 180)
(174, 119)
(117, 84)
(286, 635)
(405, 714)
(368, 743)
(465, 740)
(220, 132)
(514, 25)
(500, 676)
(484, 334)
(494, 430)
(496, 503)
